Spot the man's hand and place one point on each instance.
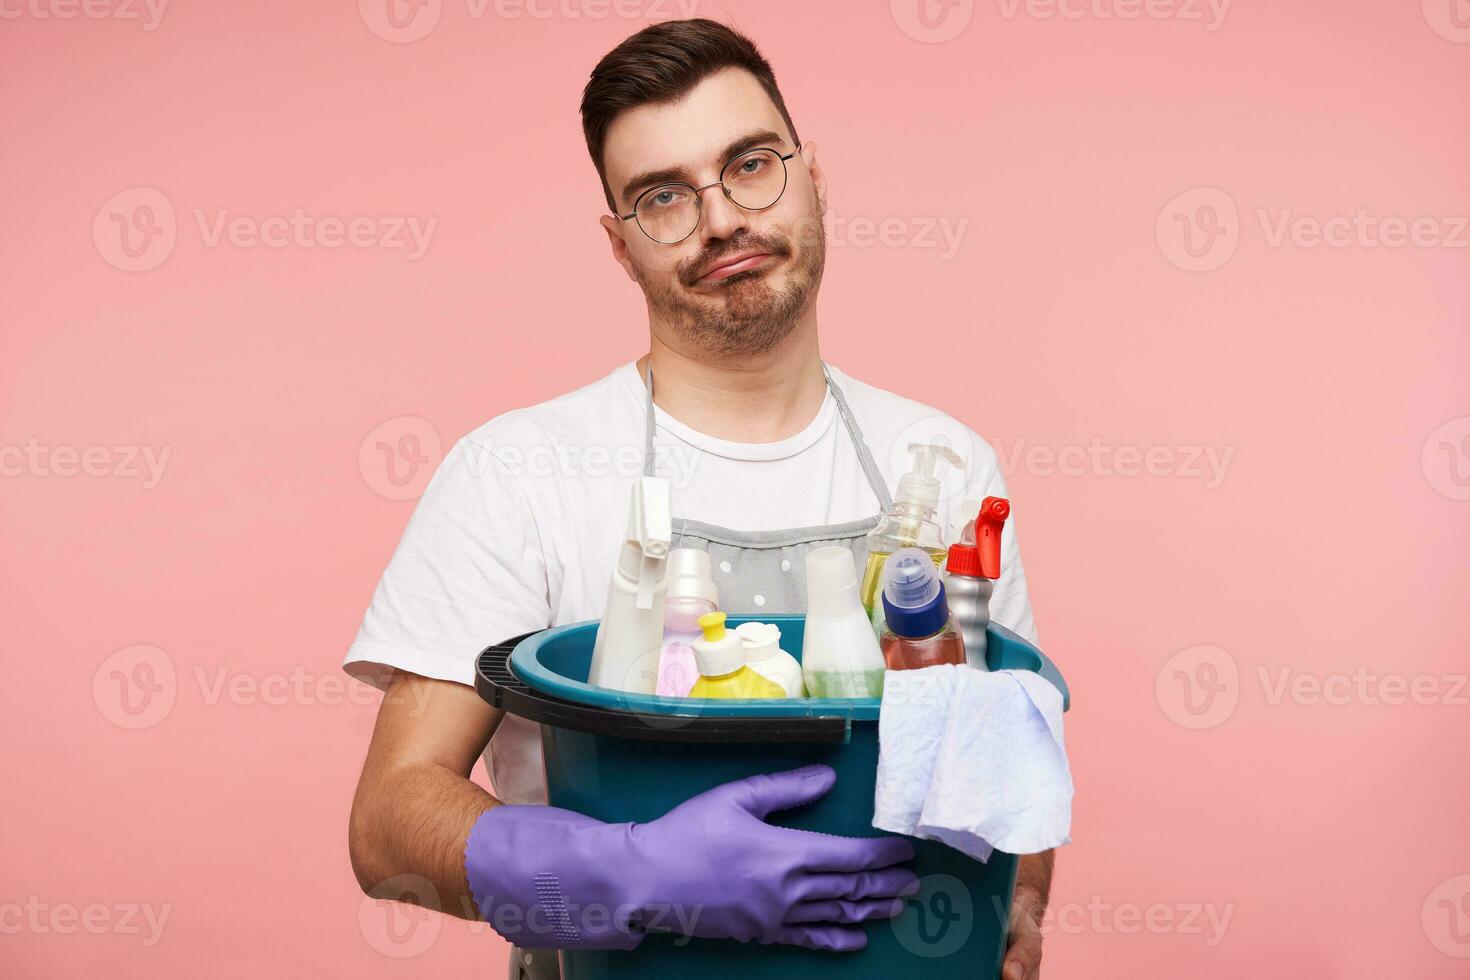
(1023, 945)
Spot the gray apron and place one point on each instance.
(756, 572)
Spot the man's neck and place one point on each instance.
(762, 398)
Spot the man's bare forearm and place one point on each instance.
(1033, 880)
(415, 829)
(415, 803)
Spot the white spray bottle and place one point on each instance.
(625, 655)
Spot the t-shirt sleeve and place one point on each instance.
(1010, 604)
(469, 571)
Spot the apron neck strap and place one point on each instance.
(854, 432)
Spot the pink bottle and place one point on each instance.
(691, 595)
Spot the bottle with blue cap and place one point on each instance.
(917, 632)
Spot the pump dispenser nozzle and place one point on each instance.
(920, 485)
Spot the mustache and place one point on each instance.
(690, 269)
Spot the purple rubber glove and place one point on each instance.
(547, 878)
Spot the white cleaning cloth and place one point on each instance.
(975, 759)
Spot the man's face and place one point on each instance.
(742, 281)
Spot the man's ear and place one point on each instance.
(615, 230)
(819, 177)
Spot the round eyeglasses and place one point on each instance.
(669, 213)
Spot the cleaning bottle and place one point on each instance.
(763, 654)
(918, 633)
(625, 654)
(910, 523)
(840, 657)
(970, 574)
(722, 671)
(691, 594)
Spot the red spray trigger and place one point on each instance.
(988, 525)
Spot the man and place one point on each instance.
(716, 214)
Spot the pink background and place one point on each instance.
(1332, 835)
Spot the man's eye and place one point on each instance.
(666, 198)
(753, 164)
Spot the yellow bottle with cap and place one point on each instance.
(720, 656)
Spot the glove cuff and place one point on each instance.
(546, 878)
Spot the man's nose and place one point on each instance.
(722, 217)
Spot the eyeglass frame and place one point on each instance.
(699, 192)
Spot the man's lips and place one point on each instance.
(731, 265)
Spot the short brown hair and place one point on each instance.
(661, 63)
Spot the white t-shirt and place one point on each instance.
(521, 524)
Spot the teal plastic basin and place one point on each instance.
(617, 757)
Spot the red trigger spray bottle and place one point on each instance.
(970, 574)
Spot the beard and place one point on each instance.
(751, 315)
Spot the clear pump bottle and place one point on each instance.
(910, 523)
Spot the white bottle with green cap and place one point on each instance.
(840, 656)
